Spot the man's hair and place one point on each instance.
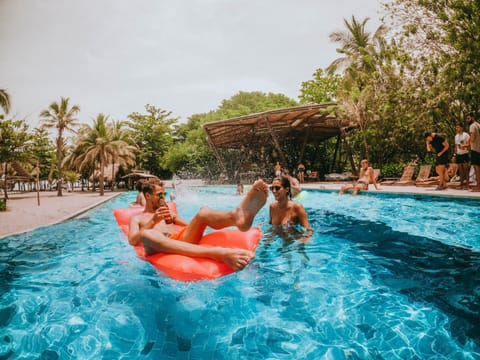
(470, 113)
(427, 134)
(148, 186)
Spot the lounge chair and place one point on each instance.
(423, 177)
(405, 179)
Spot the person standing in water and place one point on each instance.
(286, 212)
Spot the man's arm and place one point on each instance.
(445, 148)
(303, 220)
(429, 146)
(136, 226)
(134, 231)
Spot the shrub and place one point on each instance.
(3, 204)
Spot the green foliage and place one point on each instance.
(321, 89)
(14, 140)
(153, 134)
(43, 150)
(3, 204)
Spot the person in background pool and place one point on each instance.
(155, 226)
(286, 212)
(239, 189)
(140, 200)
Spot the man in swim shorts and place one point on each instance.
(155, 226)
(364, 179)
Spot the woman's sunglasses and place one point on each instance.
(276, 188)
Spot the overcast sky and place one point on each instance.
(184, 56)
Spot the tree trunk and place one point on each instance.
(59, 163)
(102, 173)
(5, 183)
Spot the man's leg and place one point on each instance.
(241, 217)
(155, 242)
(477, 177)
(441, 170)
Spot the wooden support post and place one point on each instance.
(337, 146)
(275, 141)
(349, 151)
(216, 153)
(304, 145)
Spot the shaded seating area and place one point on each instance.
(278, 135)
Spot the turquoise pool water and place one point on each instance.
(385, 277)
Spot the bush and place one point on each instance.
(3, 204)
(392, 170)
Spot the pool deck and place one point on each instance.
(24, 214)
(411, 189)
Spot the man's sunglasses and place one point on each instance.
(161, 194)
(276, 188)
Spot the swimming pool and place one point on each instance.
(385, 277)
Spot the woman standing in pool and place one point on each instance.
(284, 211)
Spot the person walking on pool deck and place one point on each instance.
(440, 145)
(364, 179)
(284, 211)
(474, 143)
(155, 226)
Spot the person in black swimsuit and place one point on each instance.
(438, 143)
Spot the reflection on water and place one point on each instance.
(425, 270)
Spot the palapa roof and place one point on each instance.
(315, 122)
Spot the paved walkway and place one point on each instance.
(24, 214)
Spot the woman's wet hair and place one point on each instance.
(285, 181)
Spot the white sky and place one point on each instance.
(116, 56)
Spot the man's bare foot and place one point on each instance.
(251, 205)
(237, 259)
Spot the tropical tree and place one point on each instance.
(152, 134)
(97, 144)
(362, 56)
(62, 117)
(125, 153)
(14, 145)
(321, 89)
(4, 101)
(43, 151)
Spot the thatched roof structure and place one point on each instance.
(301, 124)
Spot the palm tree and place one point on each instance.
(62, 117)
(123, 153)
(98, 144)
(4, 100)
(360, 48)
(363, 54)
